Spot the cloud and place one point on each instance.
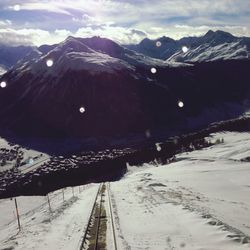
(14, 38)
(121, 11)
(39, 37)
(125, 21)
(87, 20)
(5, 23)
(118, 34)
(31, 36)
(182, 30)
(33, 6)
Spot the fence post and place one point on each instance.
(49, 203)
(17, 215)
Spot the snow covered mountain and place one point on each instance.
(2, 70)
(94, 86)
(166, 47)
(10, 55)
(218, 45)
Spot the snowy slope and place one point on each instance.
(202, 201)
(206, 52)
(213, 46)
(62, 228)
(2, 70)
(95, 55)
(75, 55)
(218, 45)
(10, 55)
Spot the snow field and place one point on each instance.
(199, 202)
(202, 201)
(62, 228)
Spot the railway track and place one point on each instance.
(94, 237)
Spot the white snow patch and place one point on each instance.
(37, 157)
(62, 228)
(207, 52)
(163, 207)
(2, 70)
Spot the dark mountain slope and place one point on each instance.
(118, 91)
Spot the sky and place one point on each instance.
(125, 21)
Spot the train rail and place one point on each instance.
(94, 237)
(111, 217)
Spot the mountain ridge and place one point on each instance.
(168, 49)
(118, 90)
(171, 50)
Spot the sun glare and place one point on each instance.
(185, 49)
(17, 7)
(82, 110)
(49, 63)
(153, 70)
(180, 104)
(3, 84)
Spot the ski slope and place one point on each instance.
(202, 201)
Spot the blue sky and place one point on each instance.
(125, 21)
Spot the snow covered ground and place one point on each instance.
(202, 201)
(62, 228)
(32, 158)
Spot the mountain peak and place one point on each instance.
(72, 44)
(145, 41)
(218, 33)
(165, 39)
(210, 33)
(103, 45)
(70, 39)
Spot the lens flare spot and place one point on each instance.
(49, 63)
(153, 70)
(181, 104)
(82, 110)
(158, 44)
(17, 7)
(3, 84)
(185, 49)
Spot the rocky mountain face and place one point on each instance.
(96, 87)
